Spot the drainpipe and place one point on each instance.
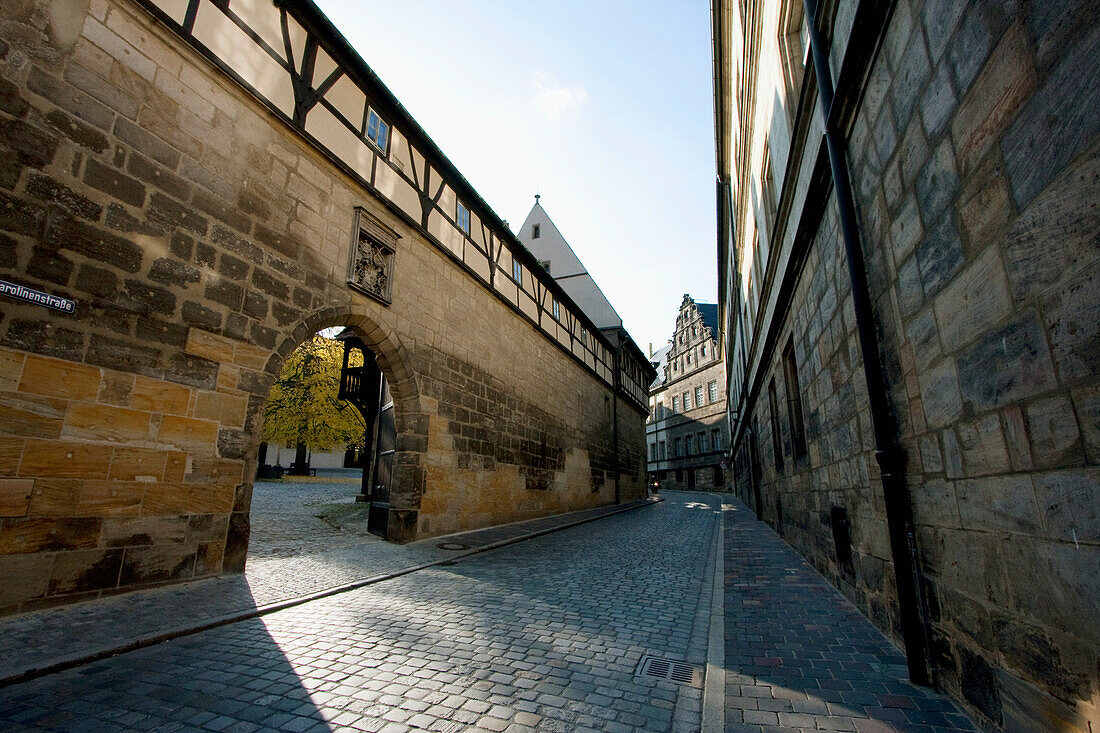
(615, 409)
(888, 453)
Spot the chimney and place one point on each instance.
(650, 349)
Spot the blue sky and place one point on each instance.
(604, 108)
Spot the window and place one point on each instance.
(716, 438)
(689, 443)
(677, 449)
(703, 443)
(703, 350)
(698, 396)
(773, 410)
(661, 450)
(545, 264)
(693, 331)
(463, 218)
(675, 405)
(517, 272)
(687, 401)
(584, 335)
(794, 403)
(712, 390)
(652, 451)
(689, 357)
(673, 366)
(554, 307)
(767, 194)
(794, 39)
(378, 132)
(535, 231)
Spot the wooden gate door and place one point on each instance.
(385, 449)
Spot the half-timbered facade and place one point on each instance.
(200, 186)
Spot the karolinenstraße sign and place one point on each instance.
(37, 297)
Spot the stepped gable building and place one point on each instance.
(686, 434)
(909, 316)
(188, 190)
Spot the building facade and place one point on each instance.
(188, 191)
(687, 434)
(909, 308)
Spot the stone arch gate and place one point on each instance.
(186, 193)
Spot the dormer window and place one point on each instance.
(378, 131)
(462, 218)
(535, 231)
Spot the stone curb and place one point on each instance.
(77, 660)
(714, 686)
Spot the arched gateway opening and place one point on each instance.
(326, 464)
(374, 382)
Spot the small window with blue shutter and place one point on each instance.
(378, 131)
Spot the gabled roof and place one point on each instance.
(709, 312)
(659, 360)
(566, 268)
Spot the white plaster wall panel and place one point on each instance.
(323, 66)
(477, 261)
(261, 16)
(229, 43)
(297, 40)
(418, 165)
(348, 99)
(504, 260)
(445, 232)
(563, 336)
(396, 189)
(476, 232)
(528, 306)
(174, 9)
(342, 142)
(399, 152)
(447, 199)
(508, 289)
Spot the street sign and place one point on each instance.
(37, 297)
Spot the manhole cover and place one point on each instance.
(671, 670)
(452, 546)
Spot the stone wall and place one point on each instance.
(975, 159)
(202, 241)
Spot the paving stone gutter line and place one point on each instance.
(714, 686)
(76, 660)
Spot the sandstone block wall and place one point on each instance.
(975, 158)
(202, 241)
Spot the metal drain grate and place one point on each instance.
(671, 670)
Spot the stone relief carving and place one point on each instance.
(370, 268)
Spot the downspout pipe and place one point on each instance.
(888, 452)
(615, 408)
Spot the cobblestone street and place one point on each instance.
(545, 634)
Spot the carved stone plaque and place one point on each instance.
(370, 265)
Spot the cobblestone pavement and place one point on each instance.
(44, 638)
(545, 635)
(284, 514)
(799, 656)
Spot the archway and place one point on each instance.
(400, 434)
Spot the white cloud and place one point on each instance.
(556, 100)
